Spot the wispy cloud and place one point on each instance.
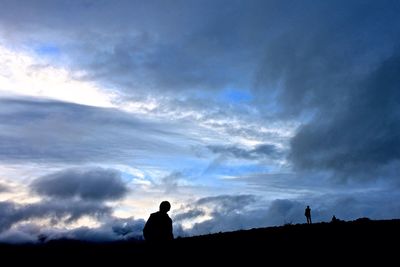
(65, 132)
(259, 152)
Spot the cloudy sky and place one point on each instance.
(240, 113)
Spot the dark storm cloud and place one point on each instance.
(334, 66)
(259, 152)
(87, 184)
(154, 45)
(361, 136)
(112, 229)
(51, 131)
(302, 54)
(57, 211)
(327, 48)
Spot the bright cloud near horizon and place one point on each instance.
(240, 113)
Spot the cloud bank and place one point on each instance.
(93, 184)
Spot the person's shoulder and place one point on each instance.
(154, 214)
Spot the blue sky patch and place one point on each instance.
(235, 96)
(48, 50)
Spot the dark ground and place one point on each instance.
(361, 242)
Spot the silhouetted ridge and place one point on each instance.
(361, 240)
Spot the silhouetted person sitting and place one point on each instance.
(307, 213)
(158, 227)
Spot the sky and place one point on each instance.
(239, 113)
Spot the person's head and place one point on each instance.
(308, 207)
(165, 206)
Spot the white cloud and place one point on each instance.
(26, 75)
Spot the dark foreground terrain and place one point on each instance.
(361, 241)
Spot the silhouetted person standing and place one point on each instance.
(307, 213)
(158, 227)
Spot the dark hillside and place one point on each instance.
(362, 241)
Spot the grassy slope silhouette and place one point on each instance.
(362, 240)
